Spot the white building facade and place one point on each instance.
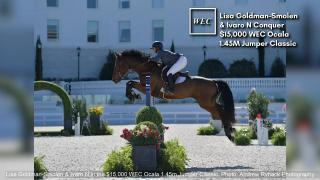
(98, 26)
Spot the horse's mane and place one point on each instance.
(135, 54)
(139, 56)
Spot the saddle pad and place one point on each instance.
(180, 79)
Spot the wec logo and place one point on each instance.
(202, 21)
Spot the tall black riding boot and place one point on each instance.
(170, 83)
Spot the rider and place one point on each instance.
(175, 62)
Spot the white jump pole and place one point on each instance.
(148, 89)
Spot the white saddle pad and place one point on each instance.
(180, 79)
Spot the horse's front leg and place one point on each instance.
(131, 95)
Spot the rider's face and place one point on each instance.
(156, 50)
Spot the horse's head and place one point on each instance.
(121, 68)
(129, 59)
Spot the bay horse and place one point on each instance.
(214, 96)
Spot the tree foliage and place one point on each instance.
(243, 68)
(212, 68)
(278, 69)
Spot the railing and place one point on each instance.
(241, 87)
(183, 113)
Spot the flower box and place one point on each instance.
(145, 157)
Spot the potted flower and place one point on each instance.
(95, 112)
(145, 140)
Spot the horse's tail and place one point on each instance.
(227, 98)
(225, 103)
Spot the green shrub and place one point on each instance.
(212, 68)
(40, 169)
(257, 104)
(247, 131)
(106, 130)
(243, 68)
(279, 138)
(149, 114)
(243, 137)
(173, 157)
(119, 161)
(67, 103)
(243, 131)
(242, 140)
(208, 130)
(273, 130)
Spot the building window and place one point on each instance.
(157, 3)
(52, 3)
(199, 3)
(241, 2)
(124, 31)
(157, 30)
(53, 29)
(92, 4)
(124, 4)
(93, 31)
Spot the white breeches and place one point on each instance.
(178, 66)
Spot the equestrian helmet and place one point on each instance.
(157, 44)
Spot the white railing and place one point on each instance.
(272, 87)
(172, 113)
(104, 90)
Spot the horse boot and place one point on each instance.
(170, 87)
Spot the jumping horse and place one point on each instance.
(214, 96)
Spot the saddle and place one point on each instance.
(176, 76)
